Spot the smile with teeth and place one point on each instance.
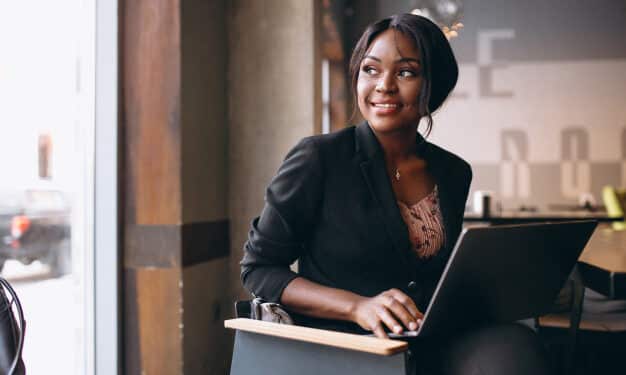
(385, 105)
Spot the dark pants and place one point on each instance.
(508, 349)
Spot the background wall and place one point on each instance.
(538, 110)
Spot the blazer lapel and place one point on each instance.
(437, 167)
(375, 175)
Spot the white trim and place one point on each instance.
(84, 224)
(325, 96)
(106, 263)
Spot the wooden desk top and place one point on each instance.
(319, 336)
(606, 249)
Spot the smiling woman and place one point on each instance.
(410, 52)
(372, 212)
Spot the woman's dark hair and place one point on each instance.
(438, 64)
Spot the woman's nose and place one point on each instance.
(386, 83)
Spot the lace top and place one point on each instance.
(425, 224)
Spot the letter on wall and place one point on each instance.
(487, 64)
(514, 168)
(575, 164)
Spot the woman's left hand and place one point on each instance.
(386, 309)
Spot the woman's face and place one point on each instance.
(389, 83)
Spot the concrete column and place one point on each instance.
(272, 85)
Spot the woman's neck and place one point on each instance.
(398, 146)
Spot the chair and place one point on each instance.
(586, 331)
(566, 315)
(11, 335)
(579, 310)
(277, 349)
(615, 202)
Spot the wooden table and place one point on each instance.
(517, 217)
(603, 262)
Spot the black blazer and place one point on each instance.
(331, 207)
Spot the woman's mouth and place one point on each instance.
(385, 108)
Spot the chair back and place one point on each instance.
(11, 333)
(243, 309)
(615, 202)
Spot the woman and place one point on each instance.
(372, 212)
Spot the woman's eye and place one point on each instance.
(369, 69)
(405, 73)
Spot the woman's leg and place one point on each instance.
(510, 349)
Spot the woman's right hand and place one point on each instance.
(391, 308)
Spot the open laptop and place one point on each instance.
(503, 274)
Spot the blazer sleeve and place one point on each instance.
(466, 178)
(277, 237)
(463, 181)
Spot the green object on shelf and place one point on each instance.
(615, 202)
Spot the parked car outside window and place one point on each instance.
(36, 225)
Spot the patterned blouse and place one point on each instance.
(425, 225)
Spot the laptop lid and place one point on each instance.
(504, 273)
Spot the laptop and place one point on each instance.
(503, 274)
